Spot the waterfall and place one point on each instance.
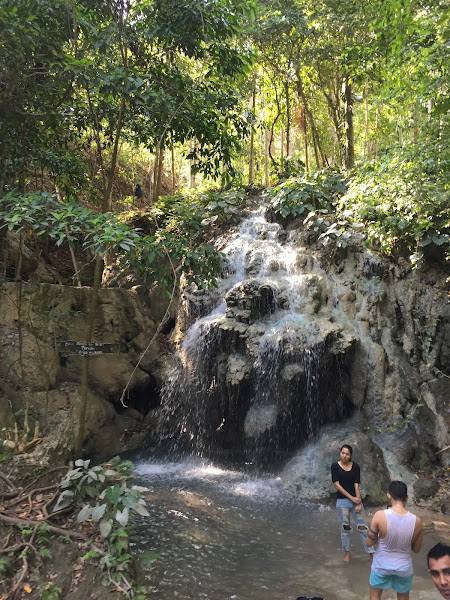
(253, 374)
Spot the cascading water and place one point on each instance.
(265, 361)
(253, 373)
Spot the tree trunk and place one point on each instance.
(288, 119)
(192, 174)
(316, 153)
(172, 152)
(85, 359)
(349, 132)
(415, 124)
(160, 172)
(314, 132)
(266, 156)
(251, 163)
(155, 174)
(367, 143)
(331, 86)
(303, 127)
(375, 141)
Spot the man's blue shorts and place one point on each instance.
(401, 585)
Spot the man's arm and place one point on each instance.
(374, 530)
(417, 538)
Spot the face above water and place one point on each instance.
(440, 572)
(345, 455)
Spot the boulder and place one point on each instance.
(307, 475)
(425, 488)
(445, 507)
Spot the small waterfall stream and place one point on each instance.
(248, 374)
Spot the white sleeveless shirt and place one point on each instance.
(393, 555)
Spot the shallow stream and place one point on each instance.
(224, 534)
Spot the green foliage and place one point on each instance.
(169, 69)
(106, 483)
(42, 215)
(43, 535)
(403, 201)
(6, 454)
(49, 591)
(5, 566)
(103, 496)
(33, 82)
(222, 207)
(290, 167)
(298, 196)
(399, 203)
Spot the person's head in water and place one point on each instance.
(398, 491)
(345, 453)
(438, 560)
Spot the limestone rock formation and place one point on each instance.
(35, 372)
(306, 338)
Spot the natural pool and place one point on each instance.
(223, 534)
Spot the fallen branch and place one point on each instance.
(8, 537)
(59, 530)
(443, 450)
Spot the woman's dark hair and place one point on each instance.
(398, 490)
(349, 448)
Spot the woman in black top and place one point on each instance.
(345, 475)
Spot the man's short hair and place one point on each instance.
(398, 490)
(438, 551)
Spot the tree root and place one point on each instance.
(14, 491)
(16, 588)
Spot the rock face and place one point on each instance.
(298, 349)
(34, 319)
(304, 339)
(307, 475)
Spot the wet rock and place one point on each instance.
(292, 371)
(374, 266)
(238, 368)
(307, 475)
(251, 300)
(259, 419)
(425, 488)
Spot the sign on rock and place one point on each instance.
(88, 348)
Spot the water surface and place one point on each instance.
(224, 534)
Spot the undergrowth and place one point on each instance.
(399, 204)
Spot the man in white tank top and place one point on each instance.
(397, 532)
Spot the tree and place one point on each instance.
(116, 71)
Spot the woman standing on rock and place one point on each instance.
(346, 478)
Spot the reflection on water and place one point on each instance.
(224, 535)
